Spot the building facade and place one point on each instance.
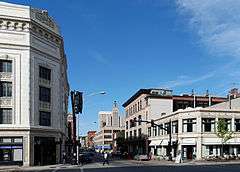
(150, 104)
(110, 122)
(193, 133)
(33, 87)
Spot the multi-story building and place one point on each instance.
(90, 137)
(110, 122)
(150, 104)
(33, 87)
(193, 132)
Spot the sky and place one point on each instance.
(120, 46)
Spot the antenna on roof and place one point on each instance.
(207, 93)
(192, 92)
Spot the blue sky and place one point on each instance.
(121, 46)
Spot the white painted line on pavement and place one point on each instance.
(81, 169)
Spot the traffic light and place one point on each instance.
(152, 123)
(78, 102)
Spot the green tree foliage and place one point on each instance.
(223, 132)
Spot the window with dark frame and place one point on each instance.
(44, 94)
(160, 129)
(149, 131)
(6, 66)
(167, 126)
(208, 124)
(237, 125)
(188, 125)
(155, 131)
(175, 127)
(139, 132)
(135, 133)
(44, 73)
(5, 116)
(139, 118)
(5, 89)
(45, 118)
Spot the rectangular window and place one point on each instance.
(44, 94)
(175, 127)
(189, 125)
(130, 134)
(160, 129)
(45, 118)
(5, 89)
(5, 116)
(135, 133)
(208, 124)
(126, 124)
(44, 73)
(107, 136)
(126, 135)
(167, 126)
(5, 66)
(134, 123)
(139, 118)
(155, 131)
(139, 132)
(237, 124)
(149, 131)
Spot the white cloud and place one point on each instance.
(183, 80)
(98, 57)
(217, 23)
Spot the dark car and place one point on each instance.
(86, 157)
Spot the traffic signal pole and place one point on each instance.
(74, 148)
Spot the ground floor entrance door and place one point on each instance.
(188, 152)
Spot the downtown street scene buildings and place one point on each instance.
(110, 123)
(151, 104)
(37, 127)
(33, 87)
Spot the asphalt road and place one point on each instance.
(206, 168)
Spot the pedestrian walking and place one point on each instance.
(105, 158)
(64, 158)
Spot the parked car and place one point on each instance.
(86, 157)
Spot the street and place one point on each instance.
(190, 168)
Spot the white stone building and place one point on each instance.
(33, 87)
(151, 104)
(194, 132)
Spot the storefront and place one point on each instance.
(11, 151)
(44, 150)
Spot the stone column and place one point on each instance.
(26, 150)
(233, 124)
(199, 148)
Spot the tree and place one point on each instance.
(223, 133)
(121, 142)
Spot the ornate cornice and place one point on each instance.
(8, 24)
(32, 27)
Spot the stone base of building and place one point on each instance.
(31, 147)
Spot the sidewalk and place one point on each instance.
(116, 163)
